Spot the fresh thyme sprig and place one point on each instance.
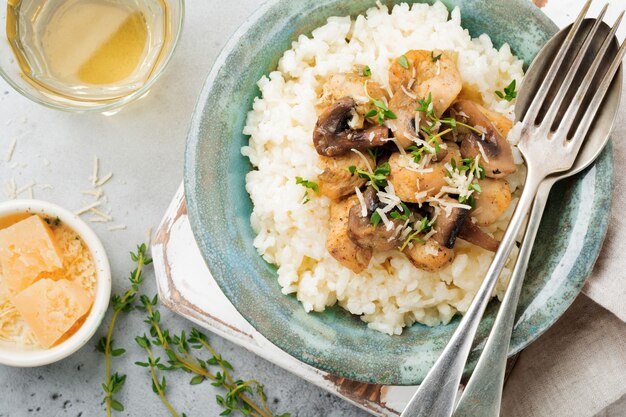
(246, 397)
(509, 92)
(374, 152)
(311, 185)
(121, 304)
(432, 139)
(426, 107)
(419, 226)
(378, 178)
(402, 213)
(381, 111)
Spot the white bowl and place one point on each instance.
(14, 356)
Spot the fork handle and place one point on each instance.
(436, 395)
(483, 394)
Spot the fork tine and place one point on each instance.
(598, 97)
(542, 93)
(570, 115)
(573, 69)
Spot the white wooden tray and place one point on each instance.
(185, 286)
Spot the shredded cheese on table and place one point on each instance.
(10, 151)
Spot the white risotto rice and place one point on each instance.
(391, 293)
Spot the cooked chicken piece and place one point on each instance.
(491, 202)
(416, 187)
(336, 181)
(339, 244)
(429, 256)
(427, 72)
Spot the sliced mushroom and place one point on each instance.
(500, 121)
(475, 235)
(352, 85)
(333, 135)
(339, 244)
(336, 181)
(364, 233)
(497, 157)
(429, 255)
(491, 202)
(448, 225)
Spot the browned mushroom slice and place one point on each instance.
(333, 136)
(497, 157)
(364, 233)
(447, 225)
(474, 235)
(338, 244)
(429, 255)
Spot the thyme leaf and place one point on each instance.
(378, 178)
(312, 185)
(113, 383)
(509, 92)
(404, 62)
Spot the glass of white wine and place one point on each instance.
(87, 55)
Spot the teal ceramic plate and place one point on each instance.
(219, 206)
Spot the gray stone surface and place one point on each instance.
(143, 146)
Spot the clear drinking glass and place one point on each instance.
(87, 55)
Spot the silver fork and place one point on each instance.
(482, 395)
(548, 147)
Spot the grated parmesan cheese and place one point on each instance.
(117, 227)
(78, 266)
(86, 208)
(388, 224)
(359, 195)
(10, 151)
(367, 163)
(10, 189)
(28, 187)
(408, 93)
(101, 214)
(104, 179)
(482, 151)
(96, 167)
